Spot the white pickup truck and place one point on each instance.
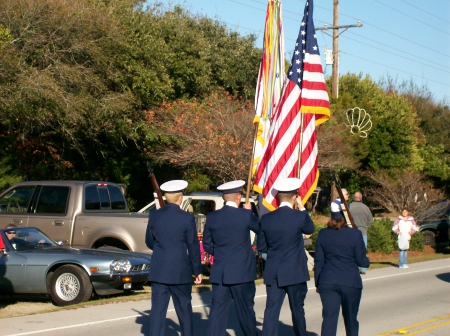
(202, 203)
(81, 214)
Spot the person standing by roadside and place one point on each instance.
(286, 271)
(171, 234)
(227, 237)
(339, 252)
(362, 218)
(404, 226)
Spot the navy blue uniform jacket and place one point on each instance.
(172, 235)
(337, 257)
(281, 237)
(227, 237)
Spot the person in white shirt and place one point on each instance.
(404, 226)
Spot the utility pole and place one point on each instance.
(335, 69)
(336, 27)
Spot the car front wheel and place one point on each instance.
(429, 238)
(70, 285)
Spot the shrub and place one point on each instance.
(317, 228)
(416, 243)
(380, 237)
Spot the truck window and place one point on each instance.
(117, 200)
(91, 198)
(53, 200)
(103, 197)
(202, 207)
(17, 200)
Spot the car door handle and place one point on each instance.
(16, 221)
(58, 223)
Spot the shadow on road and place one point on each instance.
(172, 327)
(288, 330)
(383, 263)
(444, 277)
(200, 321)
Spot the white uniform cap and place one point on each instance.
(174, 186)
(231, 187)
(288, 185)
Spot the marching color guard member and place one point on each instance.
(286, 271)
(171, 234)
(227, 237)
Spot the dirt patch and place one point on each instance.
(19, 305)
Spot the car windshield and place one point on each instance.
(27, 238)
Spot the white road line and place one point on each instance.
(406, 273)
(198, 306)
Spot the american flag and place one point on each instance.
(303, 105)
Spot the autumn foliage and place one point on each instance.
(214, 135)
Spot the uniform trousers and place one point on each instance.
(181, 297)
(243, 295)
(333, 297)
(363, 269)
(275, 297)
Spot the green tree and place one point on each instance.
(78, 77)
(393, 141)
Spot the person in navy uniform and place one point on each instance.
(339, 252)
(171, 234)
(286, 271)
(227, 237)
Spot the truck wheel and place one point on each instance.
(70, 285)
(429, 238)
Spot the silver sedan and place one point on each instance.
(33, 263)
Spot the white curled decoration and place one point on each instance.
(359, 121)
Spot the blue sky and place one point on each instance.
(403, 39)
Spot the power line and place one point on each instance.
(391, 53)
(418, 57)
(374, 26)
(437, 17)
(425, 23)
(385, 66)
(264, 10)
(420, 45)
(386, 31)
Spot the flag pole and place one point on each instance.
(250, 170)
(299, 168)
(300, 146)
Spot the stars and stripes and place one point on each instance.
(303, 105)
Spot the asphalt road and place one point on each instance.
(416, 300)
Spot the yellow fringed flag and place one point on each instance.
(270, 78)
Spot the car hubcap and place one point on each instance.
(67, 286)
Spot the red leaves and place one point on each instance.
(215, 135)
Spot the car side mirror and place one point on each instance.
(60, 243)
